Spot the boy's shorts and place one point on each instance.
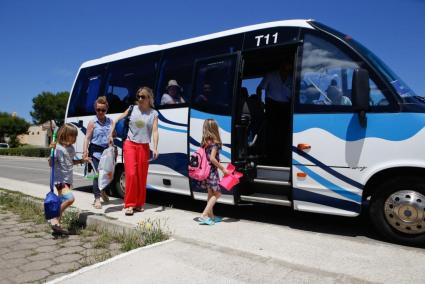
(64, 194)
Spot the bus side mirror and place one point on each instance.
(360, 94)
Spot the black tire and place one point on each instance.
(119, 176)
(393, 188)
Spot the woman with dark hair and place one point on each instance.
(143, 124)
(98, 132)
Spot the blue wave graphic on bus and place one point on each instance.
(313, 197)
(387, 126)
(176, 161)
(224, 121)
(195, 143)
(162, 118)
(171, 129)
(328, 184)
(326, 168)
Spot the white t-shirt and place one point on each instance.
(277, 89)
(167, 99)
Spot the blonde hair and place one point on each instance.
(102, 101)
(210, 133)
(66, 132)
(147, 92)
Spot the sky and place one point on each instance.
(43, 43)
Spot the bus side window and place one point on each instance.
(125, 77)
(326, 76)
(176, 69)
(86, 90)
(177, 64)
(214, 85)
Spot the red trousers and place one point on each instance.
(136, 165)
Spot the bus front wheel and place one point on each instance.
(397, 210)
(119, 181)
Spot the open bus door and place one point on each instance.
(215, 85)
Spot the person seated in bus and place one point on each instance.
(336, 96)
(173, 95)
(206, 94)
(278, 92)
(116, 105)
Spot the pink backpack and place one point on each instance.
(199, 166)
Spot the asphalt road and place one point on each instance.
(36, 170)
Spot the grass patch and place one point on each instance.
(153, 231)
(104, 240)
(22, 205)
(70, 220)
(147, 232)
(31, 209)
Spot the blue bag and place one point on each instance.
(52, 206)
(52, 202)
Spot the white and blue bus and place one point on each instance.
(356, 129)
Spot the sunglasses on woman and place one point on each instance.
(101, 109)
(142, 97)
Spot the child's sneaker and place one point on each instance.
(205, 221)
(59, 230)
(218, 219)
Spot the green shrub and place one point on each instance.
(28, 152)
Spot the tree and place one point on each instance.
(12, 126)
(48, 106)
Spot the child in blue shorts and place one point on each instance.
(64, 162)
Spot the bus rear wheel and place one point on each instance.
(119, 181)
(397, 210)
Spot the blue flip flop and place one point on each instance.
(218, 219)
(206, 221)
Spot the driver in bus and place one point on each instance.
(278, 92)
(206, 93)
(173, 94)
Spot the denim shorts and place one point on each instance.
(66, 197)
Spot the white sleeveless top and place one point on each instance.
(141, 124)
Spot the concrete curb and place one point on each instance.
(101, 221)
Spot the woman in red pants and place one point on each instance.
(143, 124)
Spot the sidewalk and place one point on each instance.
(299, 250)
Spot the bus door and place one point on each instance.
(215, 83)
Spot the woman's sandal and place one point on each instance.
(129, 211)
(139, 209)
(104, 196)
(97, 204)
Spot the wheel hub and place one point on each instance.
(122, 182)
(405, 211)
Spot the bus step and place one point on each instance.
(274, 182)
(273, 173)
(267, 198)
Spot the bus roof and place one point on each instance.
(151, 48)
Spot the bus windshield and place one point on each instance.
(398, 84)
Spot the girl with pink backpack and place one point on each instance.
(210, 148)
